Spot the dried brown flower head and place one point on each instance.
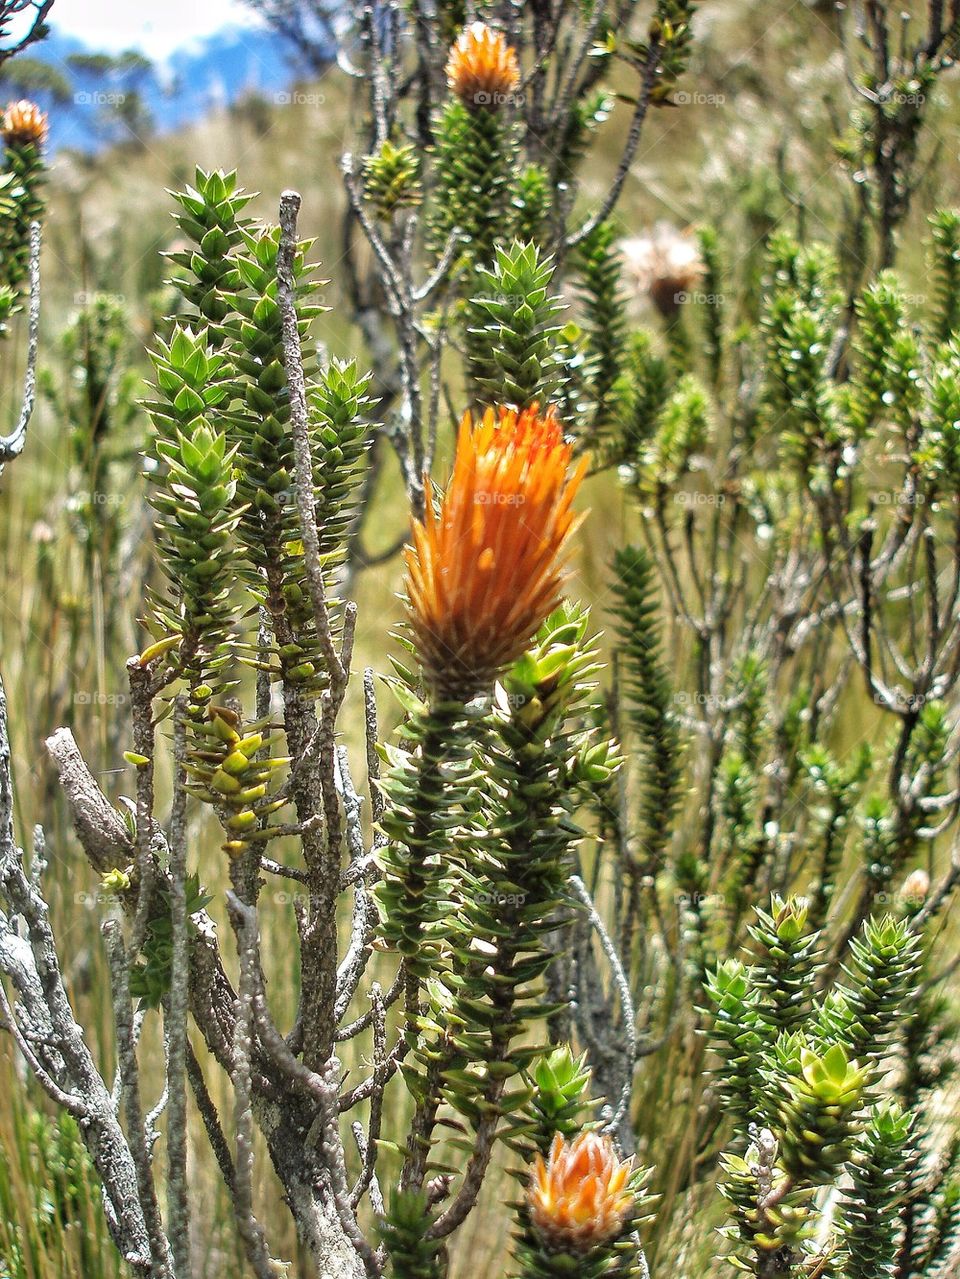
(665, 264)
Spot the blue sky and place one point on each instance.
(157, 27)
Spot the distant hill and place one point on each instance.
(94, 100)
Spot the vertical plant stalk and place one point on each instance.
(11, 445)
(320, 1088)
(178, 1208)
(148, 837)
(161, 1259)
(320, 934)
(251, 1232)
(442, 745)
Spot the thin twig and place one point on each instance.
(629, 1027)
(251, 1232)
(117, 956)
(11, 445)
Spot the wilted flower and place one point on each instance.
(581, 1197)
(485, 569)
(915, 887)
(665, 264)
(23, 123)
(482, 68)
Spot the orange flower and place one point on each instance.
(485, 570)
(581, 1198)
(23, 123)
(482, 68)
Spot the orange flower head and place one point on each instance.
(22, 124)
(485, 569)
(482, 69)
(581, 1198)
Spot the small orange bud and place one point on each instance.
(581, 1198)
(22, 124)
(485, 569)
(482, 69)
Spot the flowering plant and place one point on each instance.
(624, 918)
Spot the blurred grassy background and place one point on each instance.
(766, 92)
